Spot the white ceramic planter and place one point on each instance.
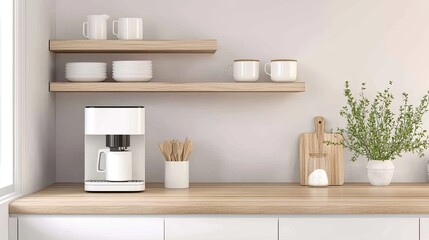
(380, 173)
(176, 174)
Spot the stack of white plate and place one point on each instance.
(132, 71)
(86, 71)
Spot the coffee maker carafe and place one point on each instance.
(118, 158)
(114, 148)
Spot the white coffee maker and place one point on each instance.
(114, 148)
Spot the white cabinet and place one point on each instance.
(90, 228)
(353, 228)
(424, 228)
(13, 229)
(221, 228)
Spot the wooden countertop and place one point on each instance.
(230, 198)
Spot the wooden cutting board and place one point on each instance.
(313, 145)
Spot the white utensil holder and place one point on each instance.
(176, 174)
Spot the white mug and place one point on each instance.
(245, 70)
(128, 28)
(119, 165)
(282, 70)
(95, 27)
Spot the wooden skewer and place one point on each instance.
(185, 148)
(188, 151)
(167, 147)
(179, 150)
(161, 148)
(175, 150)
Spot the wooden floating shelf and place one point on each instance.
(133, 46)
(176, 87)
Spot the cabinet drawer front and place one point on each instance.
(221, 228)
(349, 228)
(90, 228)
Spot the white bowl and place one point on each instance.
(86, 75)
(86, 69)
(86, 72)
(132, 75)
(132, 78)
(86, 64)
(132, 72)
(136, 66)
(132, 69)
(86, 79)
(132, 62)
(132, 66)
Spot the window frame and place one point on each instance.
(15, 189)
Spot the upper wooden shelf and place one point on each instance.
(175, 87)
(131, 46)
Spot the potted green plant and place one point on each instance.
(379, 133)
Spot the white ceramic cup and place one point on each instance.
(95, 27)
(128, 28)
(176, 174)
(119, 165)
(244, 70)
(282, 70)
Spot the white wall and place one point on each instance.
(39, 161)
(251, 136)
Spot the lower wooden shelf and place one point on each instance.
(176, 87)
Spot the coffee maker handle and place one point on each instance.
(85, 29)
(101, 151)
